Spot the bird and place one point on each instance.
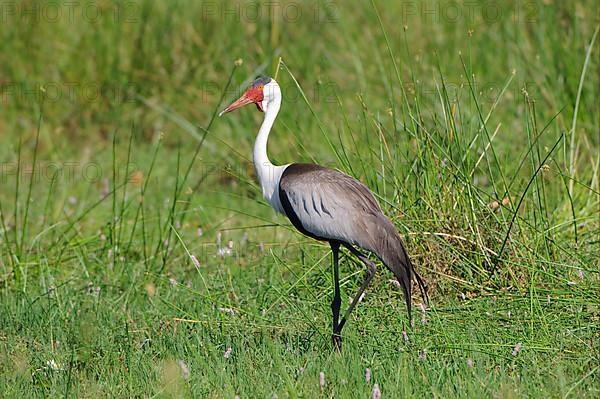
(327, 205)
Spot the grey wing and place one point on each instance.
(327, 204)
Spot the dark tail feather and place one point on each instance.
(393, 254)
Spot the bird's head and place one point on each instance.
(263, 92)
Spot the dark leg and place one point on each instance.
(337, 299)
(371, 270)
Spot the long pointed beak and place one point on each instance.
(240, 102)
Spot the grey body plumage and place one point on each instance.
(329, 205)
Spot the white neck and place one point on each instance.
(267, 173)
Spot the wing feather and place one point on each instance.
(327, 204)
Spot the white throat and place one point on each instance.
(267, 173)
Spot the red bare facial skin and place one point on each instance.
(252, 95)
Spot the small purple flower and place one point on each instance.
(376, 392)
(405, 336)
(185, 370)
(105, 188)
(93, 291)
(368, 375)
(322, 380)
(516, 349)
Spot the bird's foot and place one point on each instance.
(337, 342)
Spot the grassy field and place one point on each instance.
(138, 258)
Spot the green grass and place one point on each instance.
(479, 137)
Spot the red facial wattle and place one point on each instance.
(253, 95)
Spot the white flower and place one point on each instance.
(52, 365)
(227, 353)
(395, 283)
(362, 296)
(223, 252)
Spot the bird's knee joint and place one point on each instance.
(372, 269)
(336, 303)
